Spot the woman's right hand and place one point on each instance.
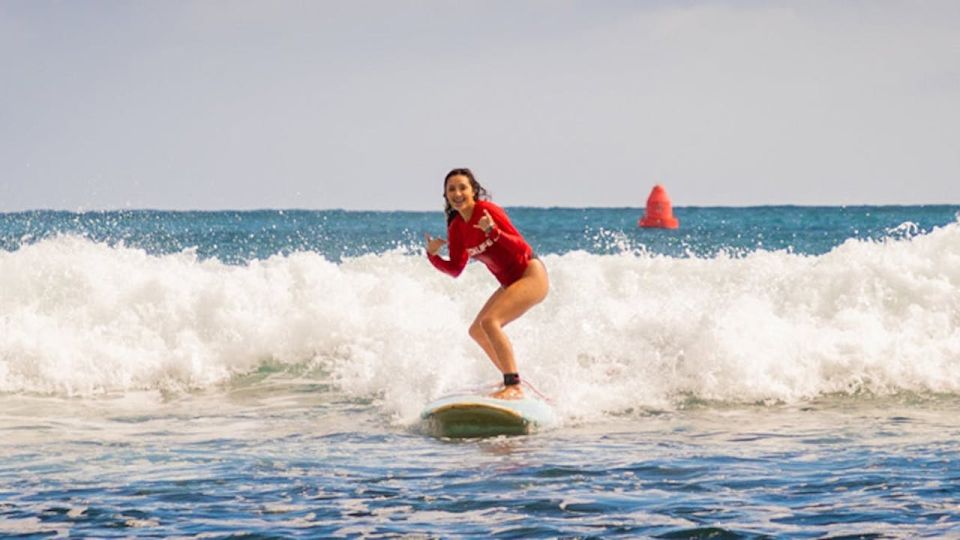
(433, 244)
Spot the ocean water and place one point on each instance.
(781, 372)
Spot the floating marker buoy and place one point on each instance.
(659, 211)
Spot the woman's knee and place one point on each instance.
(488, 324)
(476, 331)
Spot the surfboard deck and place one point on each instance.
(474, 415)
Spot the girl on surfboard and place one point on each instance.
(479, 229)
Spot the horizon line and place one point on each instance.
(82, 210)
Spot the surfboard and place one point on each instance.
(476, 415)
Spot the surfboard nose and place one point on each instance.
(471, 415)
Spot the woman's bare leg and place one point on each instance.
(480, 336)
(504, 307)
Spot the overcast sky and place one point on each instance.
(366, 105)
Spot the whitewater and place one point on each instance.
(621, 331)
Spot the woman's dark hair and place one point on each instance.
(478, 192)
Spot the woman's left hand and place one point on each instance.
(485, 223)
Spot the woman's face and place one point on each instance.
(460, 193)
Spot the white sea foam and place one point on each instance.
(618, 332)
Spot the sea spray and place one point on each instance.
(618, 332)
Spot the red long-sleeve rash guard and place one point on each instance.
(504, 251)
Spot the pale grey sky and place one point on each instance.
(366, 105)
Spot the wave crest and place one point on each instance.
(618, 332)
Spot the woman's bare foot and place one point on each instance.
(508, 392)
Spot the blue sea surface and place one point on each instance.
(238, 237)
(767, 372)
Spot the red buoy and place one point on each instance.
(659, 210)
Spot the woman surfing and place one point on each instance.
(479, 229)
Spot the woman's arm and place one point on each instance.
(458, 254)
(503, 230)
